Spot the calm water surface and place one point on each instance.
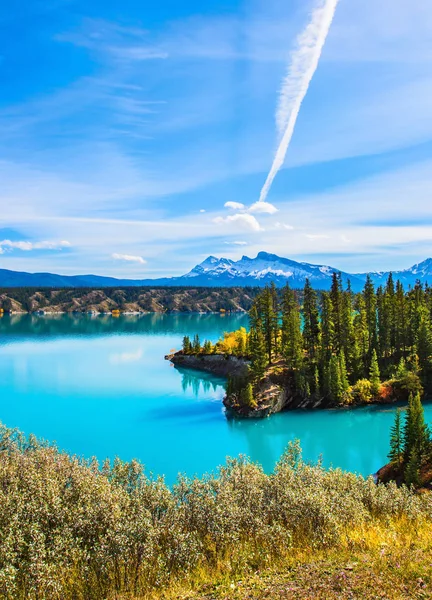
(99, 386)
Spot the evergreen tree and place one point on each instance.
(412, 469)
(424, 347)
(257, 351)
(396, 439)
(336, 295)
(371, 317)
(196, 345)
(207, 348)
(246, 397)
(416, 436)
(400, 321)
(311, 323)
(374, 374)
(186, 346)
(327, 329)
(269, 317)
(292, 348)
(335, 385)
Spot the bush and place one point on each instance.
(72, 530)
(362, 391)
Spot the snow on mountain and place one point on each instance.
(221, 272)
(260, 271)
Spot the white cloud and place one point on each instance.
(283, 226)
(244, 221)
(236, 243)
(234, 205)
(263, 207)
(129, 258)
(202, 210)
(27, 246)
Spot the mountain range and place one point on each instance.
(223, 272)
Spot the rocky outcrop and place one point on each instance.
(218, 364)
(275, 392)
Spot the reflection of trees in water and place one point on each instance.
(29, 326)
(197, 381)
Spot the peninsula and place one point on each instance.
(332, 349)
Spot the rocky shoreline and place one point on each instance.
(275, 393)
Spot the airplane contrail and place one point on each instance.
(303, 64)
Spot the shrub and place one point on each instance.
(362, 391)
(71, 529)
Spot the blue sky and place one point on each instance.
(125, 128)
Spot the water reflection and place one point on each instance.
(198, 381)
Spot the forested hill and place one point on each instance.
(133, 299)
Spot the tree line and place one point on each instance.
(342, 346)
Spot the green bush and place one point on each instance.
(362, 391)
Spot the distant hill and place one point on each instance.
(223, 272)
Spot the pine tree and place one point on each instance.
(336, 296)
(371, 317)
(292, 348)
(269, 318)
(327, 329)
(424, 347)
(335, 385)
(207, 348)
(412, 469)
(257, 351)
(343, 375)
(196, 345)
(186, 346)
(374, 374)
(311, 323)
(246, 397)
(396, 439)
(416, 436)
(400, 320)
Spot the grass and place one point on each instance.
(392, 562)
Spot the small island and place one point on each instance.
(310, 349)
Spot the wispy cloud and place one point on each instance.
(129, 258)
(114, 41)
(28, 246)
(236, 243)
(304, 63)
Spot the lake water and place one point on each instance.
(99, 386)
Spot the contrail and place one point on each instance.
(304, 63)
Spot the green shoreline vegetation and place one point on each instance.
(73, 529)
(335, 348)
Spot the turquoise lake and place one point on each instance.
(99, 386)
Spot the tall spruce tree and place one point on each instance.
(311, 321)
(396, 440)
(292, 347)
(336, 297)
(371, 317)
(374, 374)
(416, 436)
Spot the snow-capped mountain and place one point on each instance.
(221, 272)
(419, 272)
(262, 270)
